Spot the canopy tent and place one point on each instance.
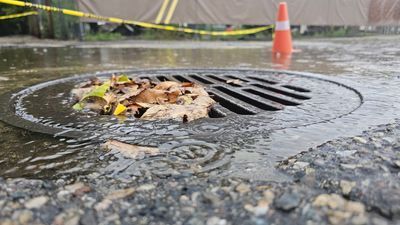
(257, 12)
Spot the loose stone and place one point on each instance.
(36, 202)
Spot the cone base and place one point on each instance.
(283, 42)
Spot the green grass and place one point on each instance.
(103, 37)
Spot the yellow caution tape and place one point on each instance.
(137, 23)
(17, 15)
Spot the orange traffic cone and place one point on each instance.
(283, 37)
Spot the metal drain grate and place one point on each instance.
(243, 95)
(262, 100)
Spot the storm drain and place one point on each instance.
(247, 100)
(242, 95)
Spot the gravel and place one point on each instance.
(346, 181)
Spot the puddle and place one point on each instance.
(252, 152)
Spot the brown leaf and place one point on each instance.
(93, 81)
(176, 112)
(128, 150)
(204, 101)
(152, 96)
(196, 89)
(187, 84)
(127, 88)
(173, 95)
(130, 93)
(78, 93)
(198, 109)
(133, 109)
(94, 103)
(166, 85)
(110, 98)
(145, 105)
(143, 83)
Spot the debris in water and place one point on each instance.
(234, 81)
(129, 150)
(144, 99)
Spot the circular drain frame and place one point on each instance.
(248, 101)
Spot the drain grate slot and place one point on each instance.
(224, 81)
(220, 79)
(180, 78)
(215, 112)
(273, 97)
(251, 101)
(230, 105)
(201, 79)
(145, 78)
(283, 92)
(236, 78)
(162, 78)
(294, 88)
(263, 80)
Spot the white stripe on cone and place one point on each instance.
(282, 25)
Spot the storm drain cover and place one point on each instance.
(248, 102)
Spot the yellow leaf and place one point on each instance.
(184, 100)
(78, 106)
(123, 79)
(98, 91)
(119, 109)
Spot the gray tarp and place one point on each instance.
(301, 12)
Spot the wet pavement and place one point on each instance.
(345, 60)
(369, 65)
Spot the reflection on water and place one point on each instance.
(281, 61)
(371, 64)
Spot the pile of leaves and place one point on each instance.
(142, 98)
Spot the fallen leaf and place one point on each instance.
(78, 106)
(110, 97)
(184, 100)
(173, 95)
(166, 85)
(197, 90)
(204, 101)
(91, 103)
(129, 150)
(187, 84)
(152, 96)
(98, 91)
(118, 194)
(198, 109)
(130, 92)
(144, 83)
(94, 81)
(119, 109)
(123, 96)
(145, 105)
(123, 79)
(79, 93)
(234, 81)
(133, 109)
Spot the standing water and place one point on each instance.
(371, 73)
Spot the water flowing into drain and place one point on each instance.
(251, 104)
